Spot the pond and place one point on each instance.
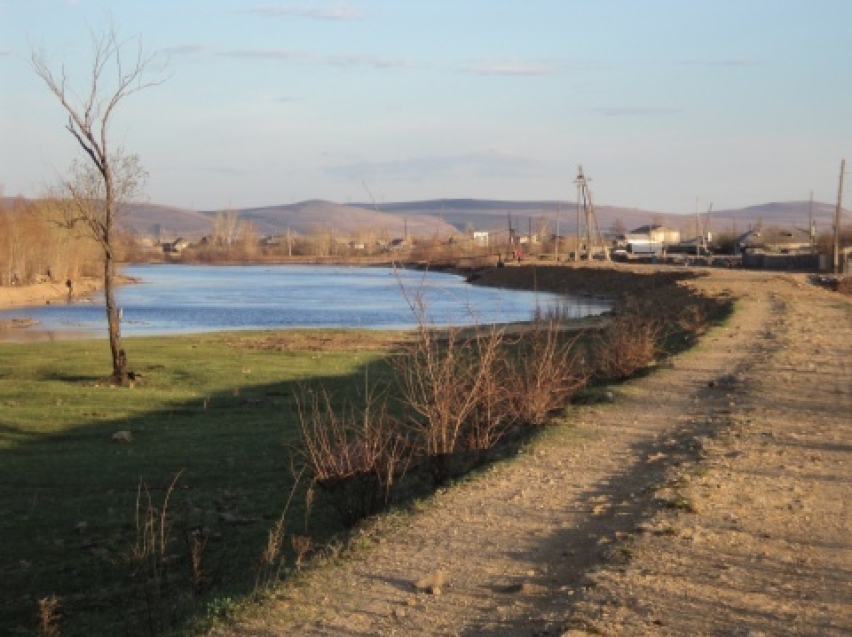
(180, 299)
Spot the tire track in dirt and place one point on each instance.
(769, 549)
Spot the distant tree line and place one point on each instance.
(34, 245)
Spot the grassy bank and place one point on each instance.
(219, 411)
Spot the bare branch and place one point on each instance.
(97, 189)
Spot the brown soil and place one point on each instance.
(325, 340)
(45, 292)
(711, 497)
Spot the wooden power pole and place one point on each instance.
(584, 193)
(837, 218)
(811, 230)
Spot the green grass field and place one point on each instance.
(218, 410)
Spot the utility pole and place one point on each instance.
(577, 242)
(697, 230)
(837, 218)
(811, 229)
(584, 192)
(529, 234)
(558, 213)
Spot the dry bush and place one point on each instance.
(354, 454)
(48, 617)
(449, 381)
(546, 372)
(150, 559)
(844, 285)
(492, 415)
(627, 343)
(271, 559)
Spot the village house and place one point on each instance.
(646, 240)
(779, 248)
(775, 240)
(657, 233)
(480, 238)
(175, 247)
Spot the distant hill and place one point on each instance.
(167, 221)
(304, 217)
(300, 218)
(794, 213)
(483, 214)
(445, 217)
(490, 215)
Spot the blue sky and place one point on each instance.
(663, 102)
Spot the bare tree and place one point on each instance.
(98, 187)
(226, 228)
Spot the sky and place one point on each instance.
(669, 105)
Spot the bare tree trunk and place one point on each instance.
(119, 357)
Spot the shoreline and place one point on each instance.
(18, 296)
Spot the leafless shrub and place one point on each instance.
(627, 343)
(270, 564)
(448, 380)
(356, 454)
(844, 285)
(48, 617)
(544, 373)
(272, 558)
(150, 559)
(492, 415)
(197, 543)
(302, 546)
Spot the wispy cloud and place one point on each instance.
(635, 111)
(268, 54)
(509, 66)
(369, 61)
(339, 11)
(725, 62)
(340, 60)
(490, 164)
(187, 49)
(223, 170)
(343, 60)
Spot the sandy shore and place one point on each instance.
(24, 329)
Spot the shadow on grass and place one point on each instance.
(69, 493)
(72, 499)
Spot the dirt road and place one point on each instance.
(709, 498)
